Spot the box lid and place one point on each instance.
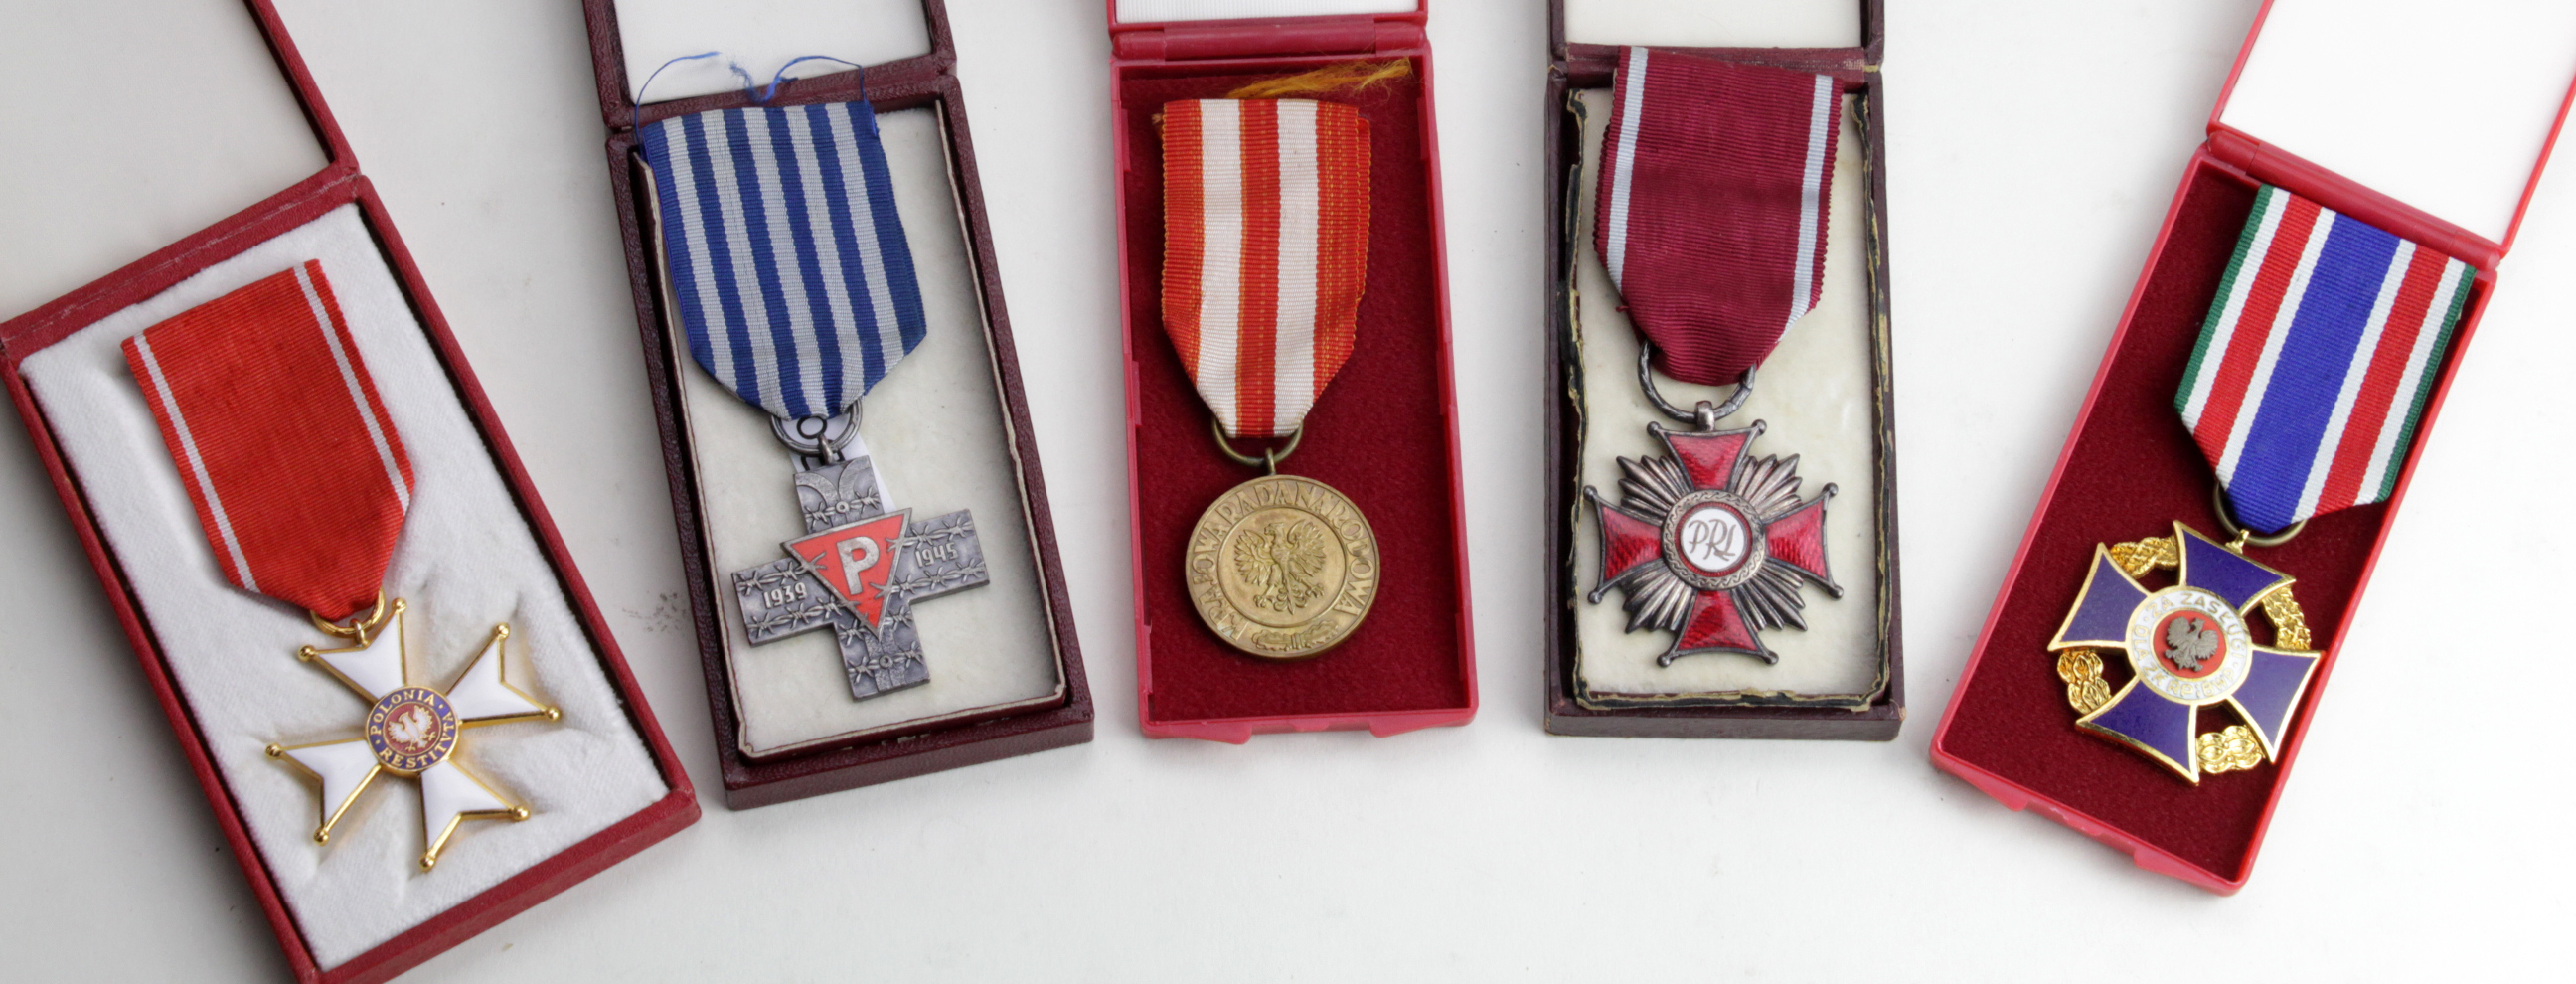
(1134, 14)
(2446, 109)
(1713, 23)
(1181, 30)
(761, 36)
(186, 132)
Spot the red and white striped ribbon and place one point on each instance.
(1715, 182)
(299, 479)
(1265, 220)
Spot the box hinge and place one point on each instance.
(1248, 39)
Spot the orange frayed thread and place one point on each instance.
(1356, 76)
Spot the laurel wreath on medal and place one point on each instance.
(2232, 749)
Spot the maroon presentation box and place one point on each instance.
(2129, 470)
(925, 81)
(339, 183)
(1385, 432)
(1574, 67)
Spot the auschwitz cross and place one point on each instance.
(786, 260)
(858, 570)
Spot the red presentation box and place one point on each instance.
(1385, 433)
(2129, 469)
(926, 80)
(1577, 66)
(339, 183)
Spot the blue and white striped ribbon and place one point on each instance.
(794, 279)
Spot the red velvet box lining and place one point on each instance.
(1380, 434)
(2130, 471)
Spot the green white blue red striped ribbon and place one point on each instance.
(794, 279)
(2314, 366)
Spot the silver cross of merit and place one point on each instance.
(858, 570)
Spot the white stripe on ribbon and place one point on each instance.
(1221, 254)
(2383, 456)
(746, 266)
(1623, 161)
(1811, 185)
(792, 287)
(2354, 374)
(827, 246)
(2279, 333)
(1300, 212)
(196, 464)
(887, 334)
(357, 395)
(693, 231)
(2275, 204)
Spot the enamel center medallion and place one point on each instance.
(411, 729)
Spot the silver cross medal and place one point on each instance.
(859, 568)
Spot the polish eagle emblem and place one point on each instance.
(1282, 561)
(2189, 641)
(411, 728)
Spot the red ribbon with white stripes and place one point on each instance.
(298, 476)
(1265, 221)
(1715, 181)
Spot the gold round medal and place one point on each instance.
(1282, 567)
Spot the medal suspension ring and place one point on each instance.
(1282, 567)
(2230, 749)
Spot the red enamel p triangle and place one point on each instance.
(856, 561)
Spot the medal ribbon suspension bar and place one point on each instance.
(785, 258)
(1266, 225)
(301, 484)
(2304, 392)
(1715, 186)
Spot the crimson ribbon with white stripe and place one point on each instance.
(1265, 252)
(2314, 366)
(1714, 193)
(299, 479)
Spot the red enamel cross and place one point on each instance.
(1712, 542)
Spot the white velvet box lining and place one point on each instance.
(467, 559)
(147, 135)
(941, 441)
(1815, 396)
(761, 36)
(1715, 23)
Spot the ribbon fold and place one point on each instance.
(2316, 360)
(1715, 184)
(299, 479)
(1265, 252)
(783, 246)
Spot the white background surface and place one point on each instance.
(2034, 147)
